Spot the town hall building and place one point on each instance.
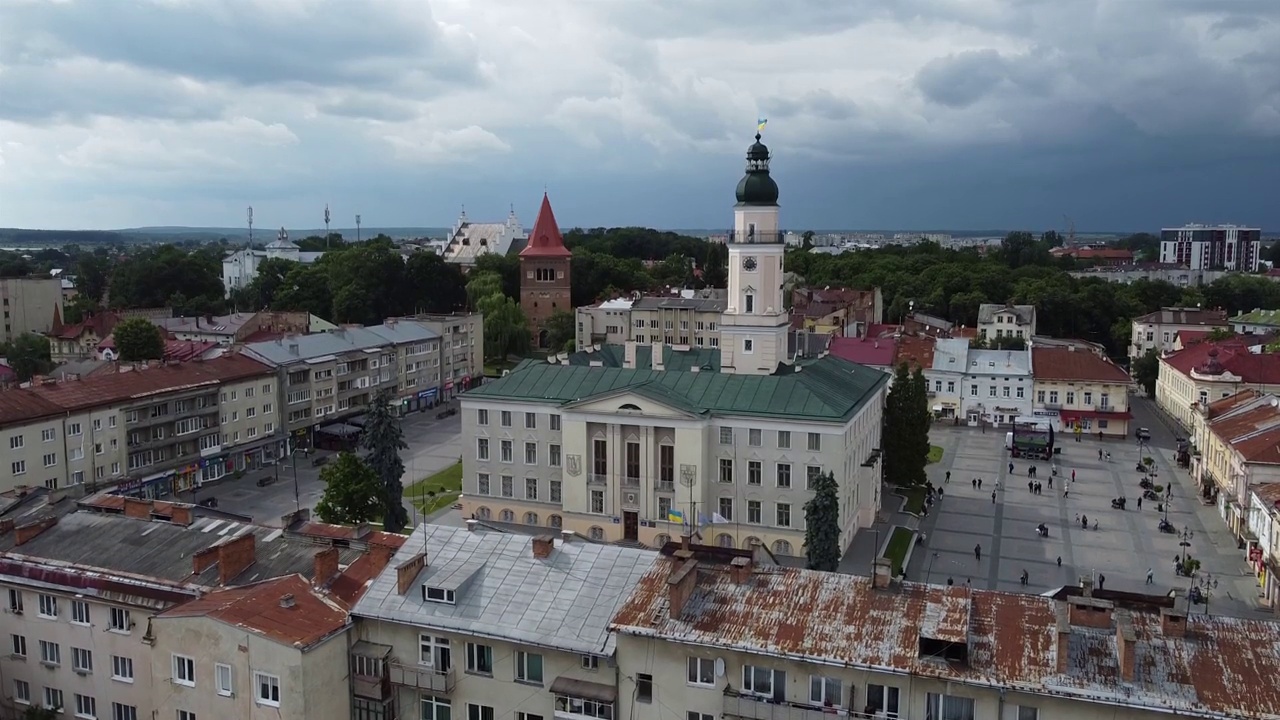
(641, 443)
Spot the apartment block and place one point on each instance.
(484, 625)
(638, 443)
(152, 430)
(710, 633)
(1212, 247)
(125, 608)
(683, 317)
(461, 357)
(1159, 330)
(29, 305)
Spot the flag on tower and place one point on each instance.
(761, 123)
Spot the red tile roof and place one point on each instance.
(1061, 363)
(882, 330)
(1252, 428)
(101, 324)
(1231, 355)
(18, 406)
(545, 240)
(1191, 337)
(1012, 639)
(176, 350)
(916, 352)
(865, 351)
(261, 608)
(1218, 408)
(98, 390)
(1184, 316)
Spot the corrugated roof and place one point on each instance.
(298, 348)
(1224, 667)
(1232, 356)
(1259, 317)
(404, 331)
(301, 621)
(1252, 428)
(564, 601)
(824, 389)
(1059, 363)
(877, 352)
(1184, 316)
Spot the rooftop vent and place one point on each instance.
(287, 601)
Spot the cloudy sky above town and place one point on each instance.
(893, 114)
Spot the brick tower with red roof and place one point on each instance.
(544, 274)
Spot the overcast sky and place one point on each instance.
(1121, 114)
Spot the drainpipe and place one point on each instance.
(1000, 708)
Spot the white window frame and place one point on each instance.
(184, 670)
(120, 663)
(821, 690)
(86, 707)
(48, 606)
(82, 660)
(222, 671)
(120, 621)
(697, 669)
(272, 682)
(522, 667)
(79, 612)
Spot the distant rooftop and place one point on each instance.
(501, 590)
(301, 348)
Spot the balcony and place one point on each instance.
(597, 479)
(756, 238)
(748, 707)
(664, 485)
(420, 677)
(371, 686)
(631, 481)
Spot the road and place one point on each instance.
(433, 445)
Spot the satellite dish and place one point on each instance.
(719, 667)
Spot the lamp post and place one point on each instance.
(1185, 542)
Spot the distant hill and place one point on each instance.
(260, 233)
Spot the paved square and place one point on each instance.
(1125, 545)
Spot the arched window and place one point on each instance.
(660, 541)
(482, 513)
(531, 518)
(629, 406)
(555, 521)
(781, 547)
(596, 532)
(724, 540)
(751, 542)
(508, 516)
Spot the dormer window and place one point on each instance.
(438, 595)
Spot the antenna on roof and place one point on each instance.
(250, 214)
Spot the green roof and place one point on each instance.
(827, 389)
(1258, 317)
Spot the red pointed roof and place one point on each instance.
(545, 239)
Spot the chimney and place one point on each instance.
(382, 555)
(287, 601)
(686, 540)
(1090, 612)
(180, 515)
(471, 524)
(629, 359)
(567, 536)
(203, 560)
(881, 572)
(1063, 626)
(25, 533)
(657, 356)
(137, 508)
(407, 572)
(1126, 645)
(325, 566)
(1173, 621)
(235, 556)
(542, 546)
(1086, 586)
(6, 526)
(740, 570)
(680, 584)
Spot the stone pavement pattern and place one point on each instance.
(1126, 544)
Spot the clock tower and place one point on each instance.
(754, 327)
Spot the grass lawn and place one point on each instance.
(437, 491)
(935, 454)
(915, 495)
(896, 549)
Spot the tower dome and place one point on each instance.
(756, 187)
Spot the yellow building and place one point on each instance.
(1192, 378)
(1077, 390)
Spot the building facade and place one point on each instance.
(1002, 321)
(683, 317)
(150, 431)
(241, 267)
(29, 305)
(473, 624)
(1078, 391)
(545, 275)
(1207, 371)
(1212, 247)
(468, 240)
(1159, 330)
(1256, 322)
(979, 386)
(1237, 443)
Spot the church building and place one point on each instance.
(544, 275)
(640, 443)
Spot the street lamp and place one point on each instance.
(1185, 542)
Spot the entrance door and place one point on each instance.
(436, 654)
(630, 525)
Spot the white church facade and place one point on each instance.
(241, 267)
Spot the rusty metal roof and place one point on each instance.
(285, 609)
(1223, 667)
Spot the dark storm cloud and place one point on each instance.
(962, 79)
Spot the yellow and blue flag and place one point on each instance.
(761, 123)
(675, 516)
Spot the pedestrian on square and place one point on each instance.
(979, 483)
(1025, 577)
(1010, 468)
(1050, 482)
(1059, 561)
(1031, 487)
(948, 476)
(1065, 493)
(993, 497)
(1073, 476)
(1102, 580)
(1150, 576)
(1099, 453)
(974, 482)
(1139, 502)
(977, 551)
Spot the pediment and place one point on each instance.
(627, 402)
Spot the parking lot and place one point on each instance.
(434, 444)
(1126, 544)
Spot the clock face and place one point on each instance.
(748, 263)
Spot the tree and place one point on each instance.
(91, 277)
(352, 492)
(383, 440)
(822, 525)
(28, 355)
(137, 339)
(39, 712)
(905, 438)
(1146, 370)
(560, 329)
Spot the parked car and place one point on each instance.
(1142, 434)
